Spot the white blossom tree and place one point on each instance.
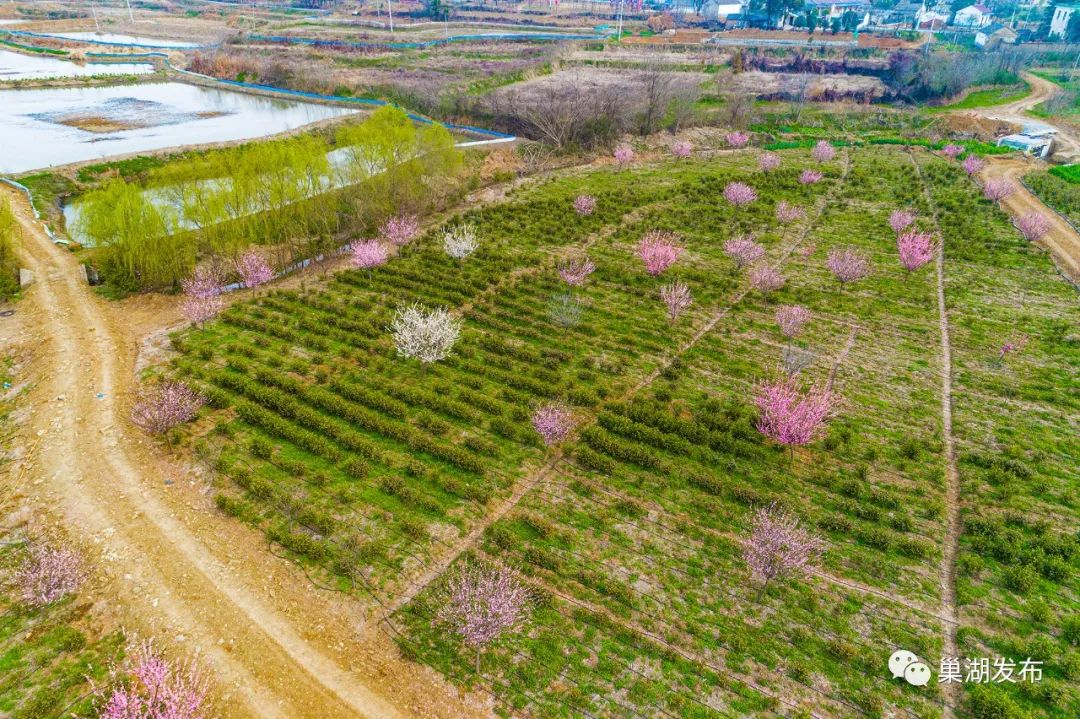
(423, 334)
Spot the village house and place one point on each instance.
(977, 15)
(994, 35)
(1060, 21)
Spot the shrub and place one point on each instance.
(1070, 630)
(1021, 579)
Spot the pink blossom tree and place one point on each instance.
(915, 249)
(1032, 225)
(681, 149)
(1014, 344)
(49, 574)
(676, 298)
(823, 151)
(584, 205)
(482, 603)
(848, 265)
(779, 548)
(624, 155)
(553, 422)
(997, 189)
(810, 177)
(791, 319)
(152, 687)
(657, 249)
(253, 269)
(807, 250)
(368, 254)
(766, 280)
(973, 165)
(739, 193)
(737, 139)
(786, 212)
(399, 230)
(203, 295)
(768, 161)
(575, 272)
(162, 406)
(952, 151)
(900, 220)
(744, 250)
(790, 416)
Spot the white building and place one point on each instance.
(1060, 20)
(977, 15)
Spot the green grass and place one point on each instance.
(1069, 173)
(366, 468)
(998, 95)
(1059, 188)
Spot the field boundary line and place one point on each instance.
(950, 647)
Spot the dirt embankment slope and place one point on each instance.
(173, 566)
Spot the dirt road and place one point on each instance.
(1062, 241)
(169, 563)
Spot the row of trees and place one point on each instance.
(294, 195)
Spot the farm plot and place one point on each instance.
(374, 472)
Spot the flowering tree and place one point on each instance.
(1032, 225)
(368, 254)
(744, 250)
(253, 269)
(739, 193)
(160, 407)
(791, 319)
(399, 230)
(156, 688)
(203, 298)
(768, 161)
(823, 151)
(737, 139)
(807, 250)
(997, 189)
(1014, 344)
(952, 151)
(575, 272)
(973, 165)
(915, 249)
(810, 177)
(786, 212)
(677, 298)
(899, 220)
(778, 548)
(624, 155)
(681, 149)
(483, 603)
(848, 265)
(423, 334)
(553, 422)
(789, 416)
(765, 279)
(584, 205)
(48, 575)
(657, 249)
(460, 241)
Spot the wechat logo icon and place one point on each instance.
(905, 664)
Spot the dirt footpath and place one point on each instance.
(171, 564)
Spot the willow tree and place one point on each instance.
(135, 237)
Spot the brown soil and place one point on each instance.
(98, 123)
(168, 563)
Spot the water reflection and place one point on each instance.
(16, 66)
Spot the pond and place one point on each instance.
(16, 66)
(58, 126)
(115, 39)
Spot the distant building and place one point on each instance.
(995, 34)
(1060, 21)
(932, 18)
(1034, 139)
(904, 15)
(829, 9)
(977, 15)
(720, 10)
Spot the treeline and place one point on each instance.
(9, 264)
(295, 195)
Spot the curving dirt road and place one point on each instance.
(171, 565)
(1062, 241)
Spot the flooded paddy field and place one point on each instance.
(16, 66)
(120, 39)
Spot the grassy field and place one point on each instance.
(369, 470)
(997, 95)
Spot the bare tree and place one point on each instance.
(656, 90)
